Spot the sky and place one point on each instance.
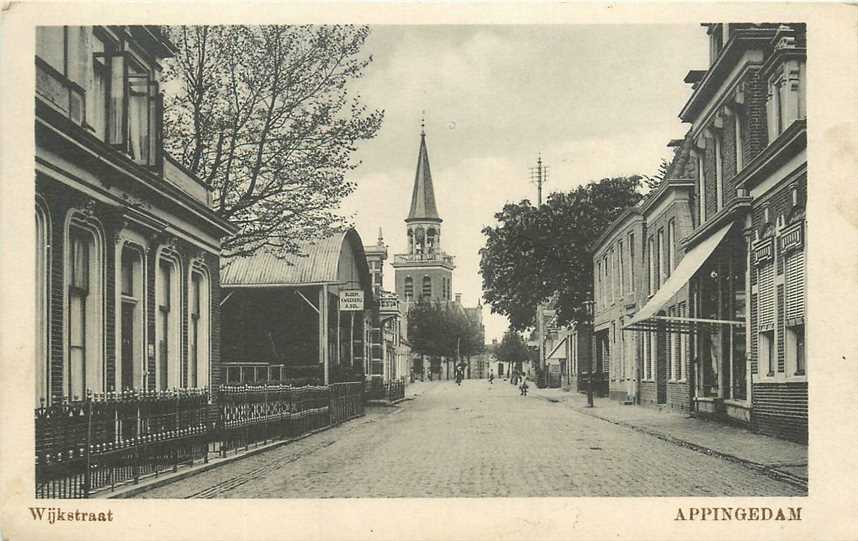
(595, 100)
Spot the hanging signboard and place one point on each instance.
(351, 300)
(388, 305)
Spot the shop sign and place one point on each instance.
(351, 300)
(388, 305)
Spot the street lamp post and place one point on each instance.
(589, 307)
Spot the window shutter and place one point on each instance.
(795, 285)
(156, 125)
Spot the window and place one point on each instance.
(622, 357)
(662, 273)
(653, 355)
(646, 352)
(740, 141)
(167, 330)
(610, 263)
(50, 46)
(767, 351)
(719, 191)
(683, 347)
(427, 288)
(606, 278)
(139, 131)
(795, 348)
(130, 371)
(42, 394)
(194, 330)
(716, 42)
(701, 191)
(622, 270)
(83, 365)
(409, 288)
(671, 246)
(669, 344)
(651, 265)
(794, 293)
(631, 262)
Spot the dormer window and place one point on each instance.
(104, 87)
(716, 42)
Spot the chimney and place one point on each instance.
(458, 298)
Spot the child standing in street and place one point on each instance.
(523, 386)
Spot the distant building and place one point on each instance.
(393, 321)
(425, 272)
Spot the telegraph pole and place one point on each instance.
(538, 176)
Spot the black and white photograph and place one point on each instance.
(349, 261)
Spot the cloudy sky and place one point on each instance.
(595, 100)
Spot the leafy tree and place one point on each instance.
(443, 330)
(652, 182)
(536, 254)
(263, 114)
(512, 348)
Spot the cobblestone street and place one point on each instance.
(476, 440)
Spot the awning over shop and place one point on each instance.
(647, 320)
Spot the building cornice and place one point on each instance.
(667, 187)
(629, 216)
(736, 209)
(741, 40)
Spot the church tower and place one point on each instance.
(425, 272)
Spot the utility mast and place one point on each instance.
(539, 176)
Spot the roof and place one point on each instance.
(319, 264)
(423, 197)
(614, 226)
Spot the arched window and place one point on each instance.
(198, 328)
(131, 303)
(168, 320)
(83, 366)
(409, 288)
(427, 287)
(42, 313)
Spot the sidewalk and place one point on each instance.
(780, 459)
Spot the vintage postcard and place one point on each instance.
(429, 271)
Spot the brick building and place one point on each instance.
(127, 246)
(425, 272)
(618, 291)
(743, 260)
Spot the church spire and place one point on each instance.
(423, 197)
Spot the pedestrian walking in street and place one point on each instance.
(523, 387)
(491, 377)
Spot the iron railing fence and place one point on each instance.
(84, 446)
(391, 391)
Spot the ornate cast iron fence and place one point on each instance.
(84, 446)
